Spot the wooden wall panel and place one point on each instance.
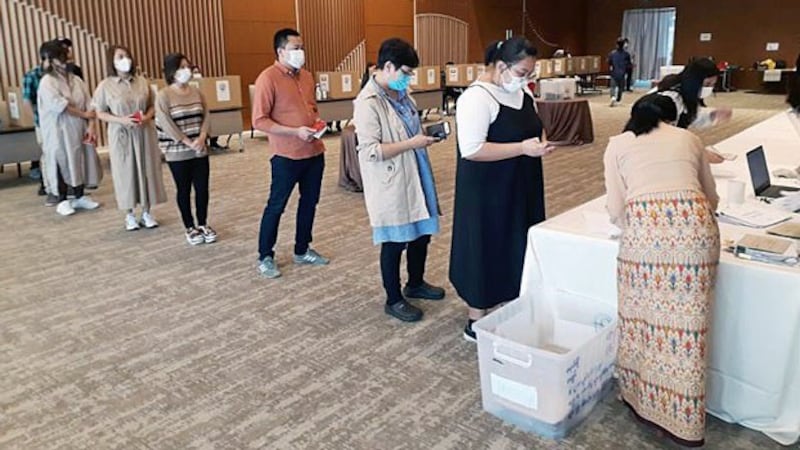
(386, 19)
(740, 28)
(150, 28)
(441, 39)
(331, 29)
(249, 29)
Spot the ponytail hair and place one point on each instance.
(648, 113)
(512, 51)
(491, 52)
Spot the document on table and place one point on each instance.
(752, 215)
(765, 244)
(786, 229)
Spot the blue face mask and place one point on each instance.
(401, 83)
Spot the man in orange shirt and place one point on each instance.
(285, 108)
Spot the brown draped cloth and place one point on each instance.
(349, 168)
(567, 122)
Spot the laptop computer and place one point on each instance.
(759, 175)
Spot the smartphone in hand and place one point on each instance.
(439, 130)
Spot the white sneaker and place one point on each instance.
(65, 208)
(148, 220)
(130, 222)
(85, 202)
(613, 102)
(194, 236)
(209, 235)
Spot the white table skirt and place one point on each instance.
(754, 361)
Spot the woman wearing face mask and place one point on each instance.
(655, 173)
(499, 183)
(182, 123)
(399, 189)
(67, 125)
(125, 101)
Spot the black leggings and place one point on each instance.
(192, 172)
(390, 265)
(64, 190)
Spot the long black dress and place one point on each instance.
(495, 205)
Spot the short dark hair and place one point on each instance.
(398, 52)
(112, 71)
(52, 50)
(649, 111)
(514, 50)
(282, 37)
(44, 49)
(64, 41)
(621, 42)
(172, 63)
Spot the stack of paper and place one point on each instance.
(752, 215)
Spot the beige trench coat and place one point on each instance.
(133, 151)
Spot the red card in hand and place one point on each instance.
(137, 116)
(320, 127)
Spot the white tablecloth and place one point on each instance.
(754, 362)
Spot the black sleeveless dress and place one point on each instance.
(495, 205)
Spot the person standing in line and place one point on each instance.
(618, 60)
(72, 67)
(285, 108)
(125, 101)
(662, 195)
(499, 191)
(182, 124)
(68, 125)
(399, 189)
(30, 89)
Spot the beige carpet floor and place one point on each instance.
(135, 340)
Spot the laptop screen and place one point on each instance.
(759, 174)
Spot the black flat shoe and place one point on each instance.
(404, 311)
(424, 291)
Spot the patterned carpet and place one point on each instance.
(134, 340)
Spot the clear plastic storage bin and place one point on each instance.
(546, 360)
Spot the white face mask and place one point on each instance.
(197, 75)
(514, 85)
(183, 75)
(123, 65)
(296, 58)
(706, 91)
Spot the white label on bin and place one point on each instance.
(414, 78)
(470, 73)
(452, 74)
(558, 65)
(514, 392)
(324, 82)
(13, 106)
(223, 91)
(431, 76)
(347, 83)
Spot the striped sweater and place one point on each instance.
(180, 115)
